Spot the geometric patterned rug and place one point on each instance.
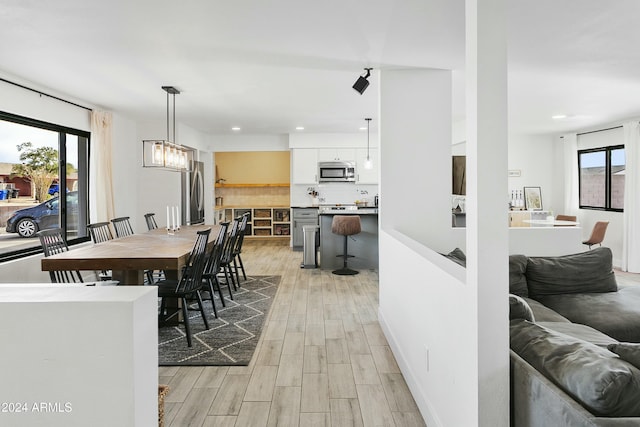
(232, 338)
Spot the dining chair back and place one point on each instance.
(122, 226)
(566, 218)
(237, 251)
(212, 268)
(226, 262)
(100, 232)
(151, 221)
(188, 285)
(597, 234)
(53, 243)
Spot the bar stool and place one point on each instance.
(345, 225)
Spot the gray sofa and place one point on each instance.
(572, 330)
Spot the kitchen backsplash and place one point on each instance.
(333, 193)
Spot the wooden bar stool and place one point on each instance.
(345, 225)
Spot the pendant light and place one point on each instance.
(368, 164)
(167, 154)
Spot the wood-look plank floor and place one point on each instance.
(322, 359)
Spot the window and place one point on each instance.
(602, 172)
(43, 183)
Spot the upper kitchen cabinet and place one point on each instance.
(305, 166)
(367, 176)
(336, 154)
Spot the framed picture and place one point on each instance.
(533, 198)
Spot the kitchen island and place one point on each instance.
(363, 246)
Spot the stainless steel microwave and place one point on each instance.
(337, 171)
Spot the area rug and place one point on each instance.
(231, 338)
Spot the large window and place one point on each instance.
(43, 183)
(602, 172)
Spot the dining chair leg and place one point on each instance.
(185, 314)
(229, 269)
(228, 282)
(212, 293)
(235, 270)
(244, 273)
(202, 312)
(216, 285)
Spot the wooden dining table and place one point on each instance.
(128, 257)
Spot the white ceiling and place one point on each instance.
(269, 66)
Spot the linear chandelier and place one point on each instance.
(167, 154)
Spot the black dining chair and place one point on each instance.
(53, 243)
(101, 232)
(188, 286)
(226, 262)
(237, 250)
(151, 221)
(212, 268)
(122, 226)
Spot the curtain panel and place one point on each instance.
(101, 171)
(631, 227)
(571, 190)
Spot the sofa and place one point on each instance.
(575, 342)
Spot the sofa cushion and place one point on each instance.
(517, 278)
(582, 332)
(616, 314)
(519, 309)
(593, 376)
(627, 351)
(585, 272)
(543, 313)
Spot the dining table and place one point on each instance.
(128, 257)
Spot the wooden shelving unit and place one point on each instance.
(266, 222)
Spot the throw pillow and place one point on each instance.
(586, 272)
(517, 277)
(519, 309)
(627, 351)
(603, 383)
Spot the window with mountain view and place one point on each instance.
(602, 177)
(43, 183)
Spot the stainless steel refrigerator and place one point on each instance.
(193, 194)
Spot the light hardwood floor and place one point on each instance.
(322, 359)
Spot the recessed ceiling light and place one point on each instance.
(559, 116)
(363, 128)
(235, 128)
(299, 127)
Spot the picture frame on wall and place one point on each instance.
(533, 198)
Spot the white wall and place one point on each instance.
(424, 302)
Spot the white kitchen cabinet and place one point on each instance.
(336, 154)
(367, 176)
(305, 166)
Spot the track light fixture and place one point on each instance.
(362, 83)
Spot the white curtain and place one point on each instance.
(100, 178)
(631, 227)
(571, 190)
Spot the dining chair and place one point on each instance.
(122, 226)
(597, 234)
(187, 286)
(101, 232)
(565, 218)
(237, 250)
(53, 243)
(212, 267)
(226, 262)
(151, 221)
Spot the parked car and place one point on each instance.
(27, 222)
(54, 189)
